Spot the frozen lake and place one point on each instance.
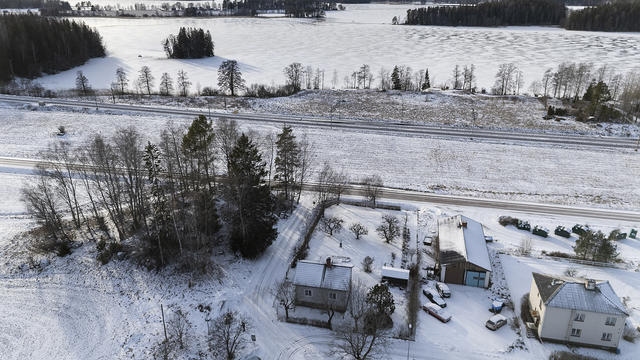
(342, 42)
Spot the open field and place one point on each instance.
(345, 40)
(504, 171)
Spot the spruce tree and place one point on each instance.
(160, 236)
(396, 82)
(287, 161)
(197, 148)
(427, 82)
(253, 225)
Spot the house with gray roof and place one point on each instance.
(583, 312)
(322, 285)
(461, 252)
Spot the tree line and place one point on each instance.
(169, 196)
(190, 43)
(31, 45)
(613, 16)
(491, 13)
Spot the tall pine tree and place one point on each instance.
(253, 224)
(287, 161)
(396, 82)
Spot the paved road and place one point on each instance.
(419, 196)
(360, 125)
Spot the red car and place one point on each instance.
(437, 312)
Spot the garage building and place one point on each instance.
(461, 250)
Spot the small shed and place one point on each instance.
(462, 254)
(395, 276)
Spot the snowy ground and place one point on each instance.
(507, 171)
(345, 40)
(75, 308)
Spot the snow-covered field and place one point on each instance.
(519, 172)
(345, 40)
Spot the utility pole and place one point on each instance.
(166, 339)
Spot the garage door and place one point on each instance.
(475, 278)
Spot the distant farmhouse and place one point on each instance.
(461, 252)
(581, 312)
(322, 285)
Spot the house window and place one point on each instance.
(540, 307)
(576, 332)
(606, 337)
(333, 296)
(307, 292)
(611, 321)
(579, 317)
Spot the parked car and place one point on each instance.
(427, 241)
(540, 231)
(496, 322)
(433, 296)
(523, 225)
(562, 231)
(633, 233)
(488, 238)
(437, 312)
(443, 289)
(579, 229)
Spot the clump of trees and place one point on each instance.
(596, 246)
(595, 93)
(190, 43)
(166, 193)
(31, 45)
(612, 16)
(491, 13)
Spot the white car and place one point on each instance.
(437, 312)
(432, 294)
(443, 289)
(496, 322)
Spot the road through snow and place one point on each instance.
(358, 125)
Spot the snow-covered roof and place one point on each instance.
(462, 243)
(313, 274)
(395, 273)
(571, 293)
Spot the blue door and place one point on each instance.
(475, 278)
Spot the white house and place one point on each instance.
(461, 252)
(577, 311)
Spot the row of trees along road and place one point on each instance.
(167, 194)
(31, 45)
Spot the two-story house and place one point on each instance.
(578, 311)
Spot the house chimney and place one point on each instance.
(590, 284)
(328, 262)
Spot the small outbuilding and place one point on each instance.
(322, 285)
(583, 312)
(395, 276)
(461, 252)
